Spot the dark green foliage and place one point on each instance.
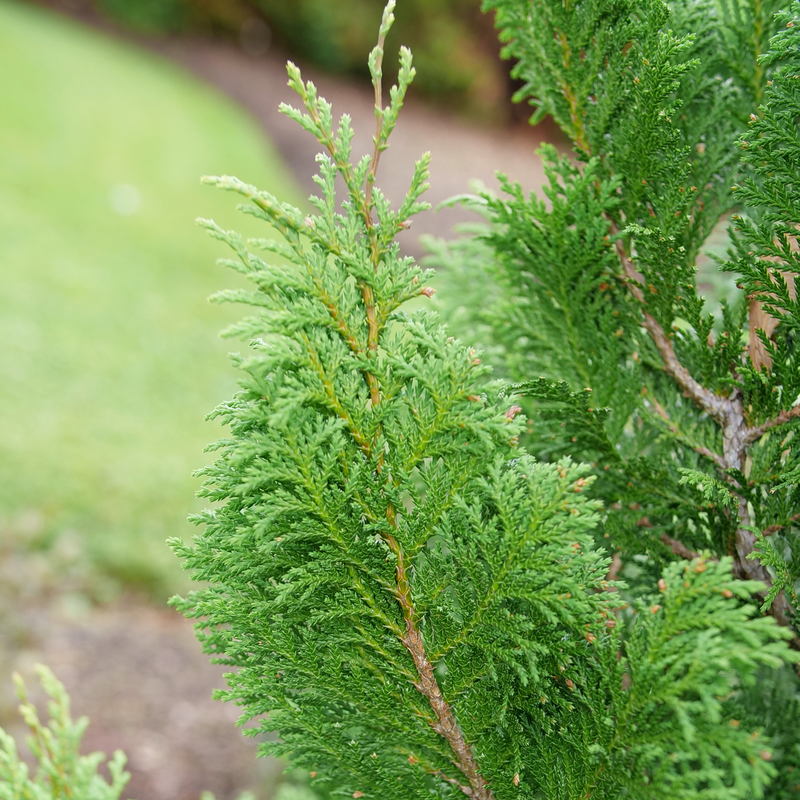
(771, 148)
(600, 281)
(675, 745)
(414, 603)
(743, 37)
(689, 414)
(772, 701)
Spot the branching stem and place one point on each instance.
(728, 412)
(757, 431)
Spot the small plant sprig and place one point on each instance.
(62, 772)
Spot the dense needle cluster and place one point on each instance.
(683, 117)
(409, 599)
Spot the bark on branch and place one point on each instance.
(680, 549)
(446, 725)
(698, 448)
(756, 432)
(728, 412)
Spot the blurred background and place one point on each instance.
(110, 111)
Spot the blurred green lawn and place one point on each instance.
(109, 353)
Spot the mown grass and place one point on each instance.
(109, 354)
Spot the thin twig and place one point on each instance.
(680, 549)
(728, 412)
(711, 403)
(710, 454)
(453, 782)
(770, 529)
(756, 432)
(682, 437)
(615, 568)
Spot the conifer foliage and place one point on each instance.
(682, 117)
(62, 772)
(410, 600)
(688, 416)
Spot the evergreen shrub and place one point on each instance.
(407, 573)
(413, 602)
(683, 120)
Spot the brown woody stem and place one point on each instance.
(736, 436)
(680, 549)
(769, 530)
(366, 291)
(698, 448)
(372, 342)
(752, 434)
(446, 725)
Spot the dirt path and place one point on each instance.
(138, 674)
(134, 669)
